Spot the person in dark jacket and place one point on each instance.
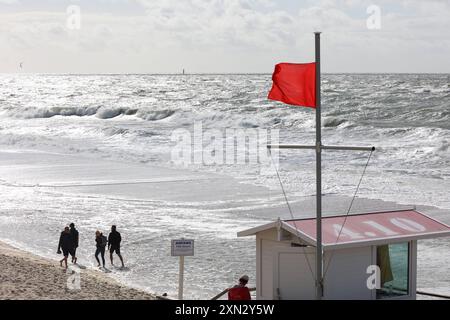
(114, 240)
(65, 244)
(100, 242)
(75, 236)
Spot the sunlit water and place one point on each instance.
(124, 124)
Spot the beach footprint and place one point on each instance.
(105, 270)
(122, 269)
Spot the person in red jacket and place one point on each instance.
(240, 291)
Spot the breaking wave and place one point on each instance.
(98, 111)
(405, 116)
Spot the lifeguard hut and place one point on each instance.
(365, 256)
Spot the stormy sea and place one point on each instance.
(171, 156)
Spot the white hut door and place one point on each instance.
(295, 281)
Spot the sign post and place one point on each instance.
(182, 248)
(181, 279)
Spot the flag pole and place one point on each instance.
(318, 147)
(319, 258)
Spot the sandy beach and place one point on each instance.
(28, 277)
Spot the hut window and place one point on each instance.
(393, 261)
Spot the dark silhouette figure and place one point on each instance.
(66, 245)
(75, 236)
(100, 241)
(114, 240)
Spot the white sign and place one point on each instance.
(182, 248)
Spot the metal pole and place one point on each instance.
(305, 147)
(319, 259)
(343, 148)
(181, 279)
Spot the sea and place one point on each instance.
(166, 157)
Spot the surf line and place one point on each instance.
(112, 183)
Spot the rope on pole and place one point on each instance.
(348, 211)
(291, 213)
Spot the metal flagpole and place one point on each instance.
(319, 259)
(318, 148)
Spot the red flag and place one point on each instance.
(294, 84)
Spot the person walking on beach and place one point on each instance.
(100, 241)
(114, 240)
(65, 244)
(240, 291)
(74, 234)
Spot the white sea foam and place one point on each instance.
(83, 130)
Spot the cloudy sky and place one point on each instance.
(208, 36)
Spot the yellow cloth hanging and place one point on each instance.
(384, 262)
